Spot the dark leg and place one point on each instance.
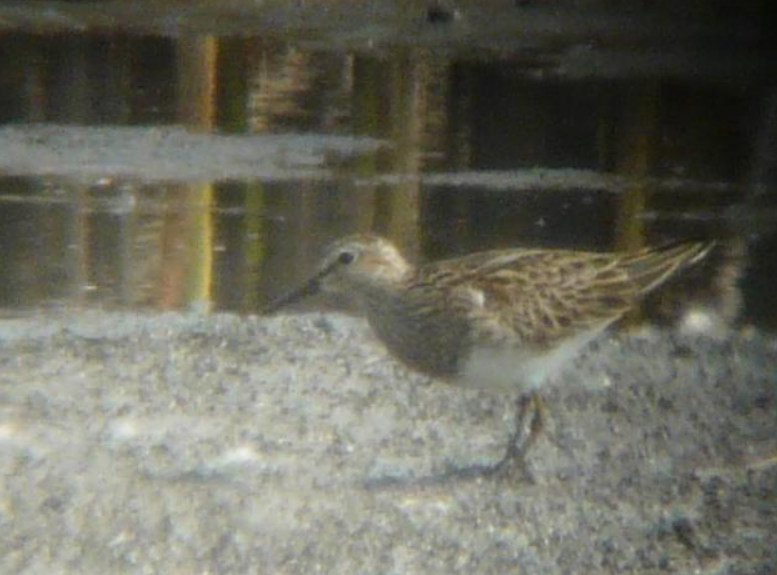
(529, 424)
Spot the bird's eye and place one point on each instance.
(345, 258)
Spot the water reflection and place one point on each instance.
(458, 173)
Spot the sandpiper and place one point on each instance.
(502, 319)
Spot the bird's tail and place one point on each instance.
(651, 267)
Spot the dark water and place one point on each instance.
(476, 152)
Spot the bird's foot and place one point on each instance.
(529, 425)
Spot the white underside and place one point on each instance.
(518, 370)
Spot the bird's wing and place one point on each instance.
(540, 296)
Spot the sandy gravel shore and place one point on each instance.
(170, 443)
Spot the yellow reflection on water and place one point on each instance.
(186, 266)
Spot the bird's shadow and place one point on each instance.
(508, 471)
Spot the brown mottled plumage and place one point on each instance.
(502, 319)
(524, 311)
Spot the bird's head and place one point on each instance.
(350, 267)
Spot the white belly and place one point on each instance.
(519, 370)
